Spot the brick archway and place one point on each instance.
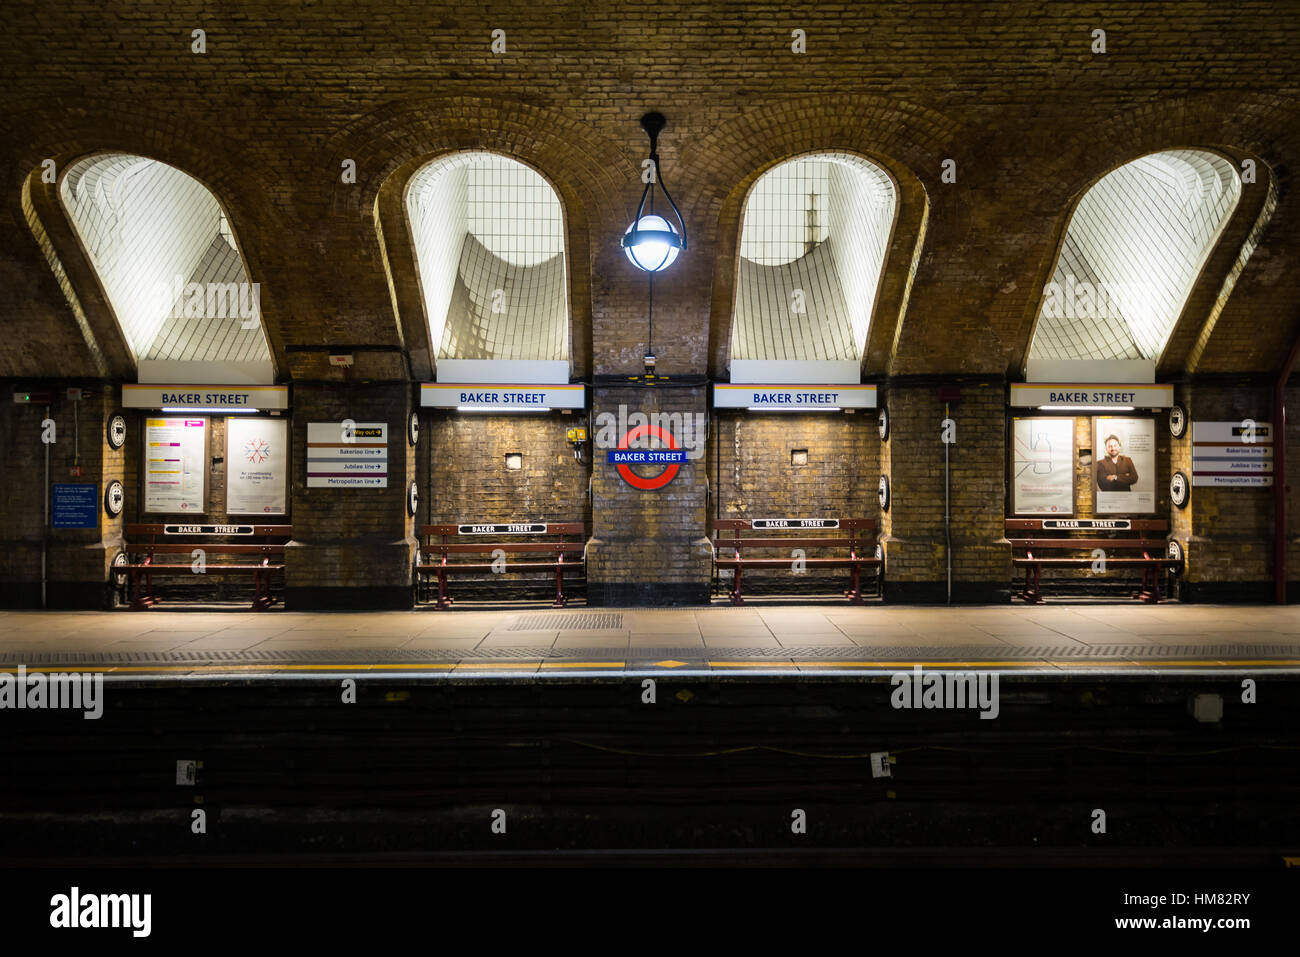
(85, 319)
(390, 145)
(897, 136)
(1217, 329)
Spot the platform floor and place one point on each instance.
(769, 638)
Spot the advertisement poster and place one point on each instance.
(1042, 466)
(1124, 465)
(176, 464)
(347, 455)
(257, 466)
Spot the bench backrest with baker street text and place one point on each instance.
(186, 549)
(745, 544)
(487, 549)
(1091, 547)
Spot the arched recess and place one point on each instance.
(896, 136)
(1146, 250)
(389, 145)
(168, 267)
(490, 249)
(63, 322)
(1243, 313)
(814, 236)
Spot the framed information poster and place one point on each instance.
(1042, 466)
(176, 464)
(1124, 465)
(257, 466)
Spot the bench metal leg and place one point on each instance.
(560, 599)
(141, 602)
(736, 597)
(854, 594)
(1151, 593)
(444, 600)
(262, 599)
(137, 603)
(258, 603)
(1033, 592)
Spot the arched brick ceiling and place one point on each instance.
(813, 242)
(1030, 115)
(1135, 245)
(167, 260)
(489, 242)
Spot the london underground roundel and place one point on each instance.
(654, 482)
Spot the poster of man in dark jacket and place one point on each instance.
(1125, 469)
(1115, 472)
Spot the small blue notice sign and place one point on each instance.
(75, 505)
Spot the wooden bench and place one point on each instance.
(1137, 543)
(790, 533)
(261, 547)
(558, 547)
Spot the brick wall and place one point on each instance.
(77, 559)
(1018, 99)
(916, 567)
(465, 479)
(648, 546)
(352, 547)
(753, 476)
(1015, 96)
(1227, 532)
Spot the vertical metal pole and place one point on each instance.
(1279, 491)
(45, 526)
(947, 514)
(1279, 475)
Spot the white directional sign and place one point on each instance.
(1232, 454)
(347, 455)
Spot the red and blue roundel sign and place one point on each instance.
(625, 457)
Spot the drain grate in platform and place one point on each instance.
(937, 654)
(597, 621)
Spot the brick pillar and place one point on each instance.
(647, 547)
(913, 527)
(352, 548)
(77, 559)
(1226, 532)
